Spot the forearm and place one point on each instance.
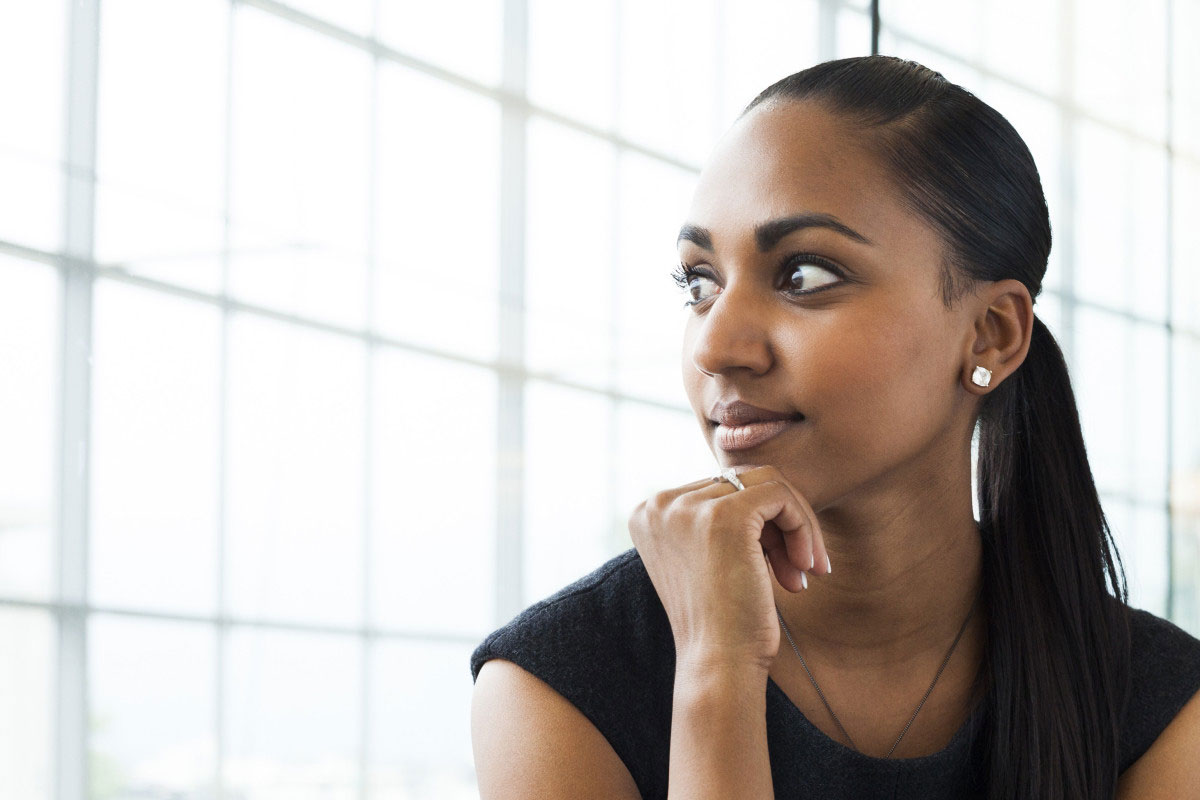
(719, 735)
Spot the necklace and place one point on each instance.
(821, 694)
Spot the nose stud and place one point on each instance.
(982, 376)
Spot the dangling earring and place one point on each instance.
(982, 376)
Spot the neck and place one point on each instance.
(903, 580)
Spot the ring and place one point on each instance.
(728, 474)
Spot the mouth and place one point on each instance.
(751, 434)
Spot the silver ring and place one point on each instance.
(728, 474)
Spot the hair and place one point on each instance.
(1057, 661)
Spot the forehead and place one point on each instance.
(791, 158)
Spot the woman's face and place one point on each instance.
(872, 359)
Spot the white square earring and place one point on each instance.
(981, 376)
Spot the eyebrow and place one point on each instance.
(768, 234)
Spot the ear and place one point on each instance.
(1003, 326)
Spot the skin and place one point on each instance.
(882, 372)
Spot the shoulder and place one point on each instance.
(529, 741)
(1167, 768)
(1164, 675)
(612, 613)
(604, 644)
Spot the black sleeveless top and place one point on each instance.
(604, 643)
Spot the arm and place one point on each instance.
(529, 741)
(1168, 769)
(719, 734)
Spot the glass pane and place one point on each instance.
(27, 702)
(853, 34)
(1141, 535)
(653, 203)
(1119, 379)
(666, 97)
(754, 55)
(947, 25)
(1102, 382)
(295, 473)
(1185, 255)
(657, 449)
(1120, 221)
(463, 36)
(33, 46)
(1033, 26)
(420, 718)
(437, 224)
(1130, 90)
(1151, 567)
(29, 360)
(152, 720)
(353, 15)
(156, 416)
(569, 258)
(573, 59)
(1185, 425)
(1148, 354)
(292, 716)
(433, 512)
(1185, 77)
(160, 149)
(300, 161)
(568, 486)
(1186, 565)
(30, 201)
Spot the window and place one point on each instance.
(309, 308)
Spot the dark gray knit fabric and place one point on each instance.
(604, 642)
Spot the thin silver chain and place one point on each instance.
(928, 691)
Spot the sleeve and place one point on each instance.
(600, 644)
(1164, 675)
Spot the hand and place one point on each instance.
(703, 545)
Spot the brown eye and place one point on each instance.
(810, 274)
(690, 280)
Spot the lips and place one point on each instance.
(741, 426)
(743, 437)
(739, 412)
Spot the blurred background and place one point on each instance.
(335, 332)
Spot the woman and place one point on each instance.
(828, 619)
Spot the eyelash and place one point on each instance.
(684, 273)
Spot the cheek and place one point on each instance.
(884, 392)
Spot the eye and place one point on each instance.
(690, 280)
(805, 274)
(806, 271)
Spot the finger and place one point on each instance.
(787, 574)
(816, 557)
(776, 521)
(702, 487)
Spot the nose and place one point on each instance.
(733, 332)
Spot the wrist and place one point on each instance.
(699, 676)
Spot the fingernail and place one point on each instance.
(828, 566)
(804, 580)
(812, 560)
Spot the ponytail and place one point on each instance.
(1058, 642)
